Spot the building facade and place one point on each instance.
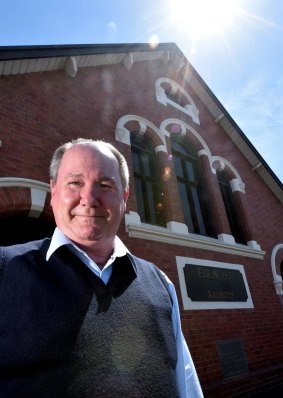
(204, 206)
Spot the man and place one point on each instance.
(80, 315)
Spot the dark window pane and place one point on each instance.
(186, 206)
(200, 223)
(140, 200)
(230, 206)
(151, 203)
(146, 164)
(178, 167)
(147, 181)
(194, 198)
(136, 163)
(190, 171)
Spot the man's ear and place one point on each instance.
(125, 195)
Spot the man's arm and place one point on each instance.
(187, 378)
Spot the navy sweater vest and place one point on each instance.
(63, 333)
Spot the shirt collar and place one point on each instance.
(60, 239)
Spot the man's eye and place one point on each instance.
(74, 183)
(106, 185)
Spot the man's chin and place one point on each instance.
(85, 235)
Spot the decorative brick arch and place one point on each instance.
(129, 123)
(21, 194)
(176, 126)
(277, 255)
(189, 107)
(220, 164)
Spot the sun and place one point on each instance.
(204, 18)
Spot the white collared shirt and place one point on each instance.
(59, 239)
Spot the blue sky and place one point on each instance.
(237, 50)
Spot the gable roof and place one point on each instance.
(26, 59)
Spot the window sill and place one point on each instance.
(136, 229)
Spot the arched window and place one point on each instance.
(198, 217)
(147, 181)
(230, 206)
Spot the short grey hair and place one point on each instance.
(97, 144)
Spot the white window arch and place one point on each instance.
(189, 108)
(122, 134)
(219, 163)
(38, 191)
(277, 279)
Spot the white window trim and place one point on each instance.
(189, 109)
(179, 236)
(38, 191)
(188, 304)
(277, 279)
(219, 163)
(122, 134)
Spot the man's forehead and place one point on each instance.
(91, 148)
(86, 153)
(84, 156)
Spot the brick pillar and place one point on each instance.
(170, 190)
(242, 209)
(216, 203)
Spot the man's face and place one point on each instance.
(88, 200)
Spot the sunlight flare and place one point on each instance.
(204, 17)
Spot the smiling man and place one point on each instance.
(88, 198)
(82, 316)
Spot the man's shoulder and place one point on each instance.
(151, 270)
(141, 262)
(138, 261)
(22, 249)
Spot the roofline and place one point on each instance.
(65, 50)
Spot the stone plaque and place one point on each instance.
(232, 357)
(214, 284)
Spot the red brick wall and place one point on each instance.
(40, 111)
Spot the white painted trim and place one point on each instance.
(226, 238)
(122, 134)
(132, 218)
(136, 229)
(177, 227)
(160, 148)
(185, 127)
(128, 61)
(236, 183)
(71, 67)
(189, 109)
(37, 202)
(23, 182)
(277, 279)
(254, 244)
(188, 304)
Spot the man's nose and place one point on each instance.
(89, 196)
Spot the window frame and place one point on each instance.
(197, 198)
(230, 207)
(150, 203)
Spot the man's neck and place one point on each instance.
(100, 255)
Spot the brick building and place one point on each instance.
(204, 206)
